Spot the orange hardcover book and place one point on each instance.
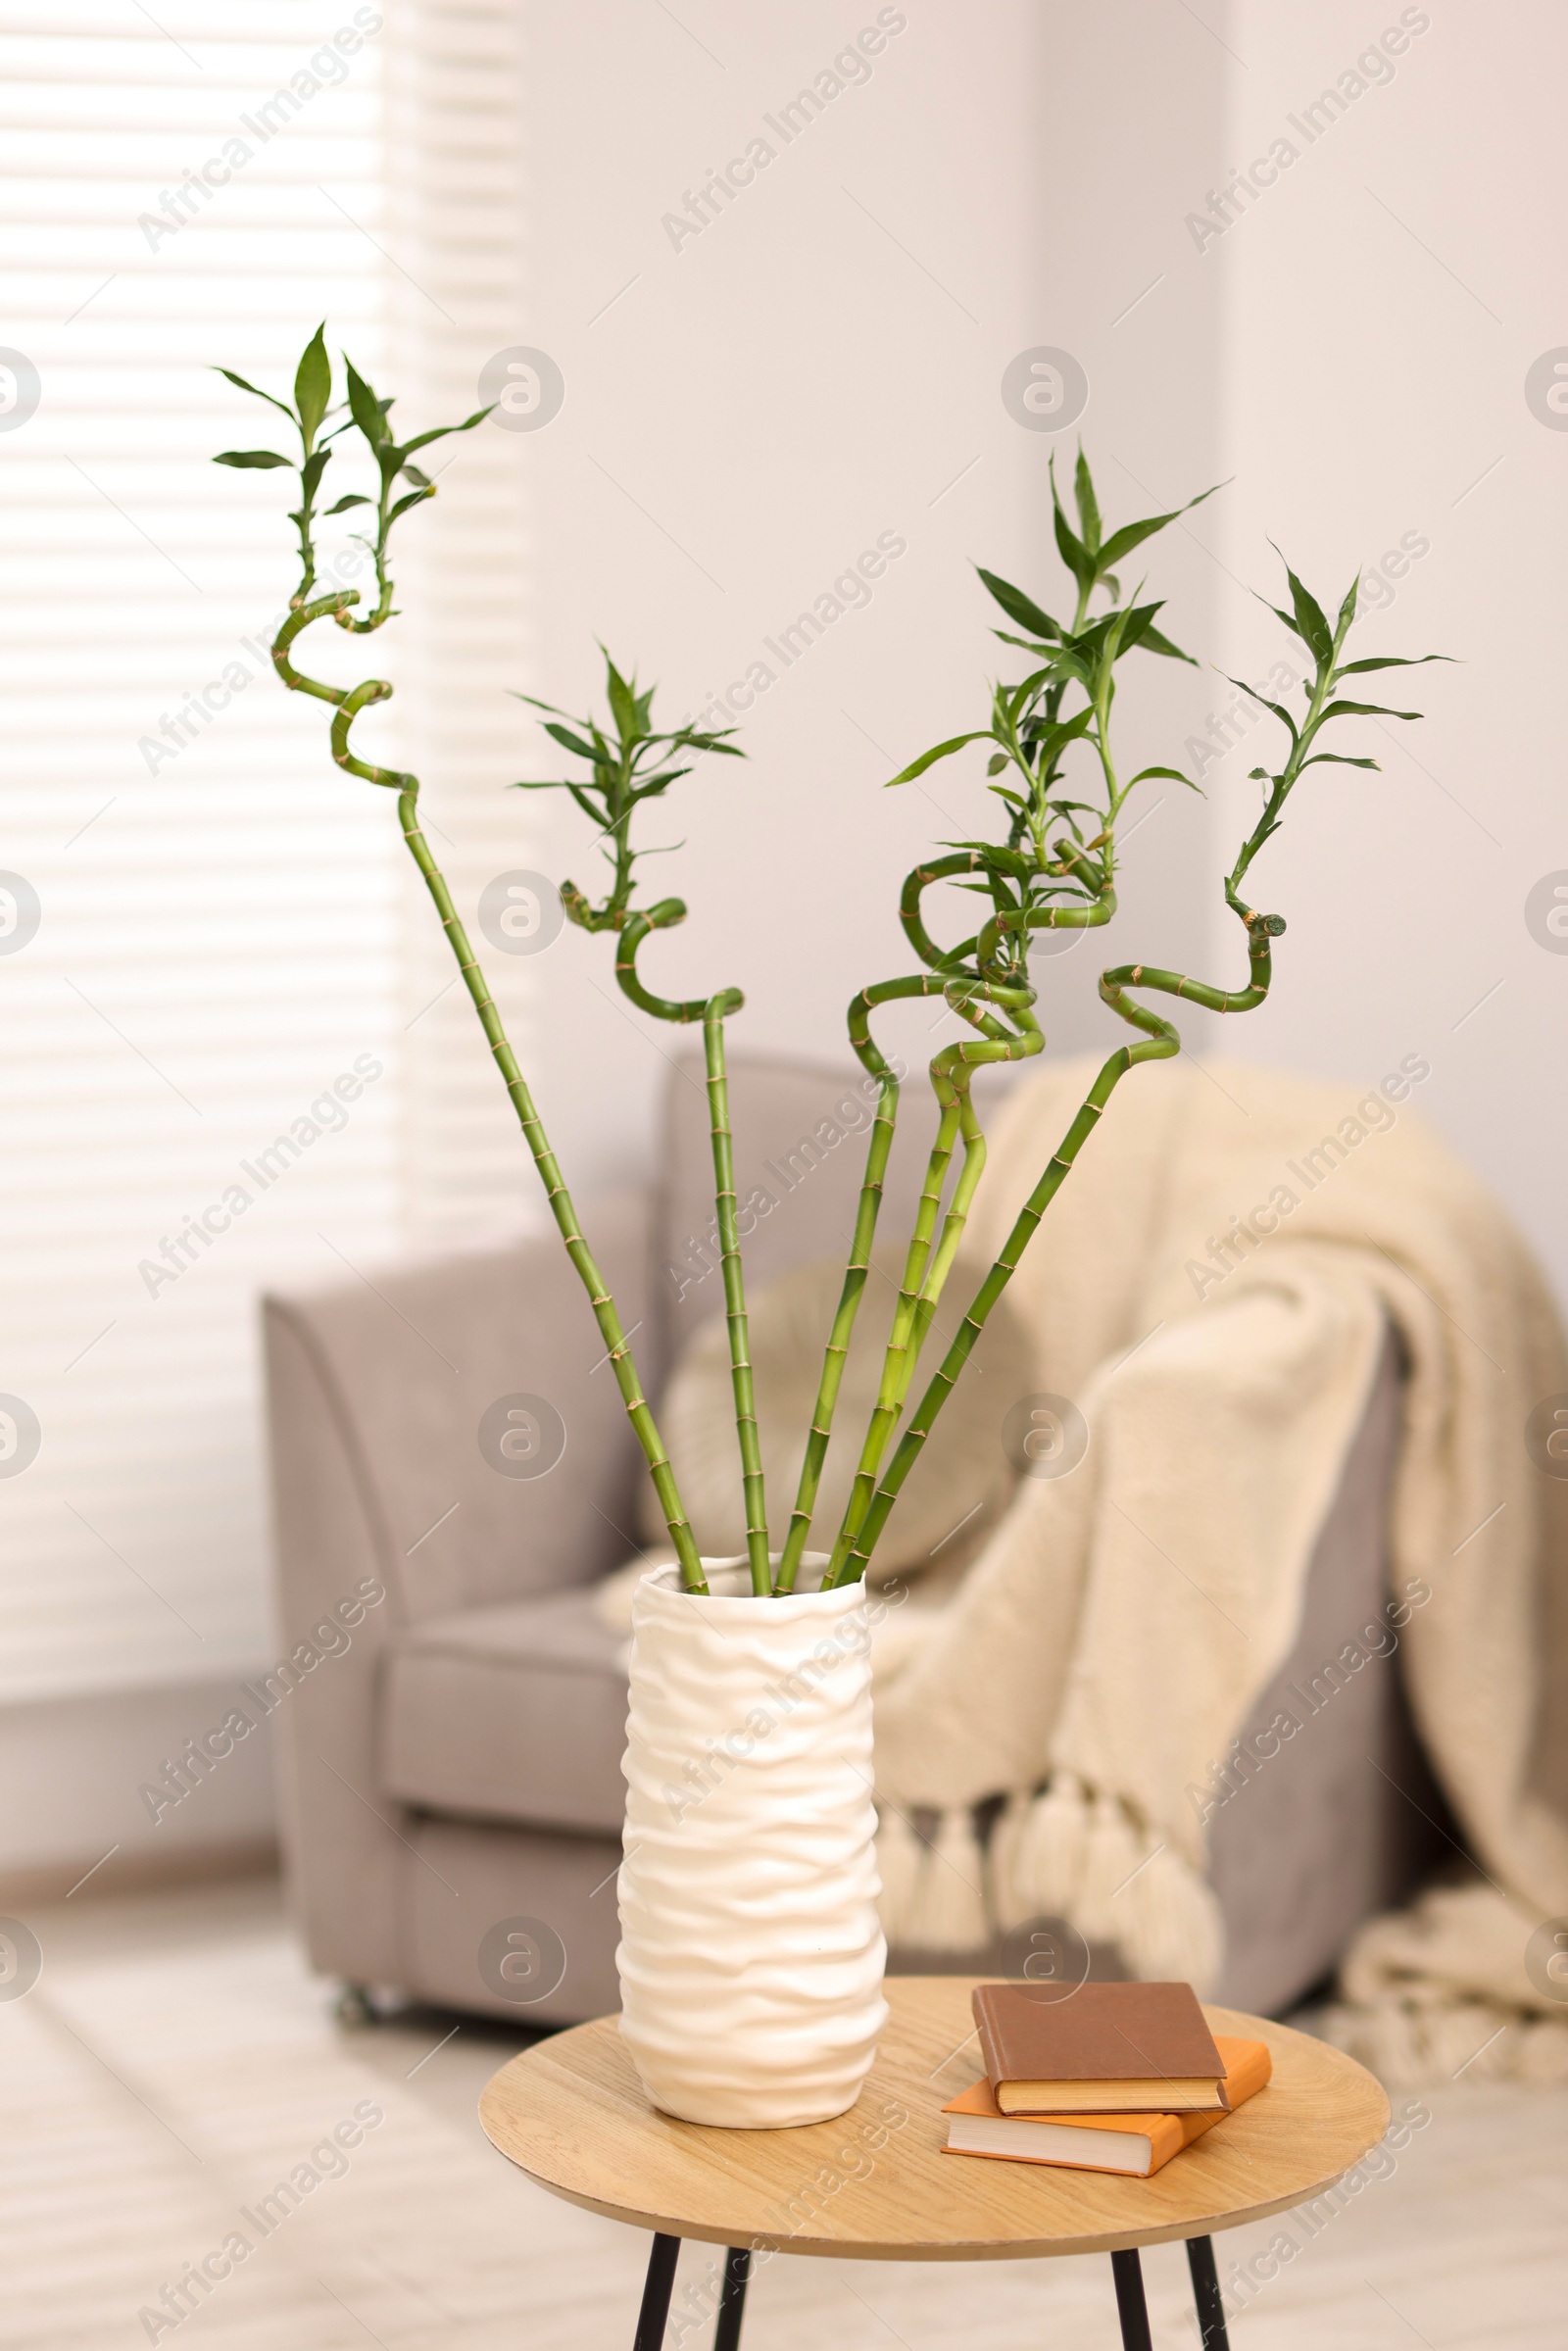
(1133, 2143)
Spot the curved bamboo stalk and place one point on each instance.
(634, 929)
(993, 948)
(925, 1273)
(713, 1012)
(1163, 1040)
(347, 704)
(878, 1150)
(879, 1145)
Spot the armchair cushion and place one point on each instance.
(517, 1713)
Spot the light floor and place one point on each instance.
(175, 2060)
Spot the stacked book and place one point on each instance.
(1108, 2078)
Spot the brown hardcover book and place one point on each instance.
(1105, 2048)
(1135, 2144)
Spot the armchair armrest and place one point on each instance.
(386, 1398)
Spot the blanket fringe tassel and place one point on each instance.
(1414, 2043)
(933, 1888)
(1068, 1852)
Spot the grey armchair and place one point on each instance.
(455, 1768)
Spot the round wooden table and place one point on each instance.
(874, 2186)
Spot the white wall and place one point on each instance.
(74, 1770)
(1353, 349)
(801, 377)
(1384, 301)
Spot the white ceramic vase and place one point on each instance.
(750, 1954)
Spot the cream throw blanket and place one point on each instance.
(1110, 1639)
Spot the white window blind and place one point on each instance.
(223, 949)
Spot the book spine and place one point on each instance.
(990, 2056)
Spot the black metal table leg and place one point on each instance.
(656, 2290)
(1207, 2294)
(732, 2301)
(1131, 2308)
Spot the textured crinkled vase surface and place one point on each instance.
(750, 1954)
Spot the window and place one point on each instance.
(212, 973)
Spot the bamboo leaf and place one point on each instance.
(1074, 554)
(1175, 775)
(1154, 641)
(1025, 644)
(940, 750)
(1311, 622)
(369, 412)
(1389, 660)
(657, 784)
(1280, 614)
(313, 386)
(439, 433)
(1019, 607)
(262, 460)
(1276, 707)
(623, 703)
(1135, 625)
(1089, 523)
(996, 761)
(1337, 759)
(1346, 612)
(567, 739)
(354, 497)
(1054, 738)
(1133, 534)
(413, 498)
(1364, 710)
(255, 391)
(1014, 700)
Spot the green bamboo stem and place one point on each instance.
(1163, 1040)
(915, 885)
(925, 1273)
(991, 1288)
(919, 1291)
(713, 1012)
(1029, 1040)
(346, 705)
(1033, 881)
(879, 1145)
(836, 1354)
(634, 929)
(757, 1548)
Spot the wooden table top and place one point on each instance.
(875, 2185)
